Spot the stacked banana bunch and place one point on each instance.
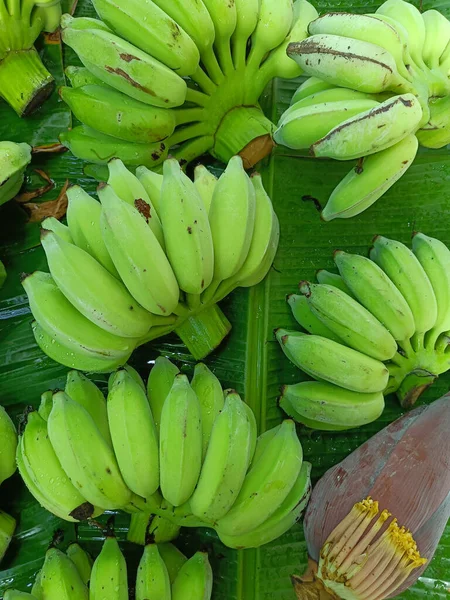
(164, 573)
(379, 86)
(186, 452)
(156, 255)
(8, 445)
(380, 326)
(14, 159)
(24, 81)
(184, 75)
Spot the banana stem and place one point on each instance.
(193, 301)
(431, 338)
(181, 310)
(3, 11)
(197, 97)
(417, 341)
(239, 52)
(193, 148)
(187, 133)
(442, 343)
(224, 54)
(255, 58)
(188, 115)
(154, 333)
(208, 294)
(406, 346)
(202, 79)
(209, 60)
(14, 8)
(258, 81)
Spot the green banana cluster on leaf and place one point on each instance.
(177, 454)
(25, 83)
(163, 572)
(8, 445)
(380, 326)
(178, 75)
(378, 87)
(14, 159)
(155, 256)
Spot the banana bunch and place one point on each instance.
(14, 159)
(8, 437)
(378, 86)
(379, 326)
(178, 75)
(25, 83)
(176, 453)
(154, 256)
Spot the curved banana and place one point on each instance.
(14, 159)
(437, 36)
(187, 232)
(134, 435)
(84, 454)
(224, 16)
(330, 405)
(436, 133)
(152, 579)
(275, 20)
(374, 290)
(173, 559)
(159, 384)
(405, 271)
(60, 579)
(334, 279)
(210, 395)
(7, 528)
(205, 182)
(80, 76)
(82, 560)
(46, 404)
(57, 227)
(247, 12)
(308, 320)
(349, 320)
(311, 86)
(180, 442)
(195, 579)
(267, 483)
(327, 360)
(225, 464)
(109, 573)
(8, 435)
(152, 183)
(370, 179)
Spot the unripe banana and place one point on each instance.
(85, 456)
(60, 579)
(327, 360)
(80, 76)
(351, 322)
(374, 290)
(307, 319)
(149, 28)
(434, 256)
(66, 325)
(328, 278)
(113, 113)
(267, 484)
(311, 85)
(124, 67)
(152, 183)
(83, 219)
(210, 395)
(247, 12)
(137, 255)
(437, 36)
(195, 579)
(232, 212)
(305, 126)
(8, 435)
(14, 159)
(275, 20)
(109, 574)
(331, 405)
(286, 515)
(7, 528)
(134, 435)
(224, 17)
(444, 61)
(133, 373)
(349, 63)
(46, 404)
(205, 182)
(86, 393)
(405, 271)
(57, 227)
(11, 594)
(187, 231)
(370, 179)
(383, 126)
(98, 295)
(82, 560)
(83, 23)
(159, 384)
(180, 442)
(173, 559)
(436, 133)
(152, 580)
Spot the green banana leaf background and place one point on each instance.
(249, 361)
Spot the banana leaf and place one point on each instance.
(250, 360)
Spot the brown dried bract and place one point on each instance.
(55, 148)
(256, 150)
(27, 196)
(53, 208)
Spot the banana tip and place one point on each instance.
(304, 287)
(24, 276)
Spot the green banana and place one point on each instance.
(328, 278)
(286, 515)
(173, 559)
(8, 435)
(149, 28)
(134, 374)
(205, 182)
(14, 159)
(405, 271)
(267, 483)
(436, 133)
(11, 594)
(187, 231)
(7, 528)
(311, 86)
(152, 183)
(57, 227)
(87, 394)
(247, 12)
(93, 290)
(180, 442)
(84, 454)
(124, 67)
(133, 434)
(226, 462)
(210, 395)
(152, 580)
(331, 405)
(80, 76)
(275, 20)
(195, 579)
(376, 292)
(161, 529)
(46, 404)
(109, 573)
(137, 255)
(224, 17)
(60, 579)
(327, 360)
(308, 320)
(437, 36)
(263, 441)
(82, 560)
(351, 322)
(370, 179)
(159, 384)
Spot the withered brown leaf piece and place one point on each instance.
(53, 208)
(27, 196)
